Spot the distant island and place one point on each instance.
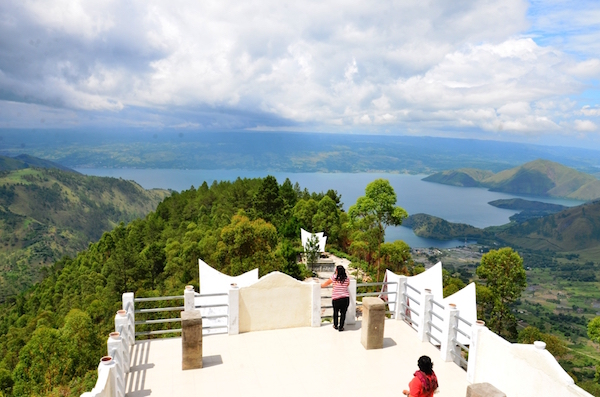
(535, 178)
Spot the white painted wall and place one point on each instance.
(275, 301)
(520, 370)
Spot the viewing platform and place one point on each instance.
(272, 337)
(291, 362)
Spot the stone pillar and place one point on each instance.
(483, 390)
(189, 298)
(351, 313)
(449, 333)
(400, 298)
(191, 339)
(424, 315)
(129, 307)
(373, 321)
(233, 315)
(476, 330)
(315, 316)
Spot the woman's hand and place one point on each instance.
(405, 392)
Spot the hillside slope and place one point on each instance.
(26, 161)
(573, 229)
(48, 213)
(467, 177)
(544, 178)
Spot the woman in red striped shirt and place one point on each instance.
(340, 296)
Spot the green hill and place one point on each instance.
(430, 226)
(526, 205)
(467, 177)
(544, 178)
(536, 178)
(26, 161)
(574, 229)
(48, 213)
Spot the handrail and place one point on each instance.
(158, 298)
(464, 321)
(374, 284)
(413, 288)
(437, 304)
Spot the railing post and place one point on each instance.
(233, 314)
(400, 298)
(351, 312)
(121, 326)
(476, 330)
(315, 316)
(129, 307)
(189, 297)
(449, 333)
(425, 315)
(114, 347)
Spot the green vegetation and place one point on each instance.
(372, 213)
(505, 280)
(539, 178)
(467, 177)
(224, 224)
(48, 213)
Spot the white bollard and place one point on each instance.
(449, 333)
(351, 313)
(424, 315)
(233, 315)
(315, 316)
(189, 297)
(476, 330)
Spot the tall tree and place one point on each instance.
(267, 202)
(506, 279)
(376, 210)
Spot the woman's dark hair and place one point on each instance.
(425, 365)
(340, 274)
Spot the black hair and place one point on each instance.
(340, 274)
(425, 365)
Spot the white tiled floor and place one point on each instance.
(291, 362)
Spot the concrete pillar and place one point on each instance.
(400, 298)
(476, 330)
(191, 339)
(449, 333)
(233, 315)
(373, 321)
(114, 346)
(351, 313)
(122, 326)
(424, 315)
(129, 307)
(189, 298)
(483, 390)
(107, 376)
(315, 314)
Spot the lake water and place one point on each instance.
(452, 203)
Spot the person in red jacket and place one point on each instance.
(425, 382)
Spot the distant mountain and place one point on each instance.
(537, 178)
(26, 161)
(467, 177)
(281, 151)
(48, 213)
(573, 229)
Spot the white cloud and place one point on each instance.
(415, 65)
(585, 125)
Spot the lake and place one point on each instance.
(452, 203)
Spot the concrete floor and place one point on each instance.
(291, 362)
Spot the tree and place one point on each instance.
(267, 202)
(376, 210)
(593, 329)
(506, 279)
(396, 257)
(553, 344)
(311, 251)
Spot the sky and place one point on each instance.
(507, 70)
